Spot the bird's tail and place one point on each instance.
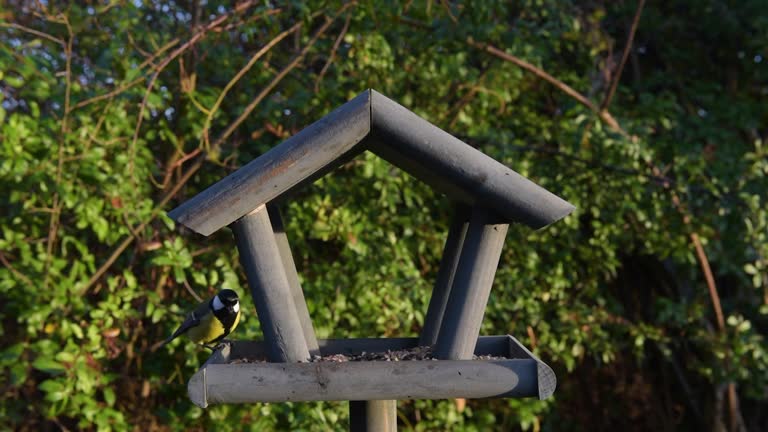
(162, 343)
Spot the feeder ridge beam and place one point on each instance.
(321, 146)
(454, 167)
(371, 121)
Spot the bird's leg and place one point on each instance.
(222, 343)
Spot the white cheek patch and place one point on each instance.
(217, 304)
(236, 307)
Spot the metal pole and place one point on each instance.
(445, 276)
(260, 256)
(373, 416)
(480, 255)
(293, 278)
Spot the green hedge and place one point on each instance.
(113, 114)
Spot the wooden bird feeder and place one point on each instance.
(488, 197)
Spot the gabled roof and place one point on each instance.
(371, 121)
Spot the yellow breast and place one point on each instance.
(210, 329)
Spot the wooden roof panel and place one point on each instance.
(373, 121)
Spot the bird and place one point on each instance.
(211, 321)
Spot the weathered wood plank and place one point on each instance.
(260, 257)
(456, 168)
(293, 278)
(377, 380)
(320, 146)
(545, 376)
(463, 317)
(373, 416)
(395, 134)
(445, 276)
(501, 346)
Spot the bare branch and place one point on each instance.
(705, 268)
(202, 158)
(333, 52)
(15, 272)
(192, 292)
(199, 35)
(287, 69)
(605, 116)
(627, 49)
(158, 53)
(53, 225)
(33, 32)
(265, 49)
(108, 95)
(736, 422)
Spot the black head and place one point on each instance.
(228, 297)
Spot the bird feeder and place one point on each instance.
(488, 197)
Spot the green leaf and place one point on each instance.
(51, 386)
(109, 396)
(11, 354)
(48, 365)
(65, 356)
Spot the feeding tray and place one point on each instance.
(237, 373)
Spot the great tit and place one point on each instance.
(211, 321)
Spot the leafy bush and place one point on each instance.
(113, 114)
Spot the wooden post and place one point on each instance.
(464, 312)
(373, 416)
(260, 256)
(293, 279)
(445, 276)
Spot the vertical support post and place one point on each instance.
(445, 276)
(260, 257)
(464, 312)
(293, 279)
(373, 416)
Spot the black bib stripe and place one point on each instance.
(226, 316)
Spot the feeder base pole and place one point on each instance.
(373, 416)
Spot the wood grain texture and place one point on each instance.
(456, 168)
(270, 289)
(472, 284)
(293, 278)
(372, 121)
(445, 275)
(545, 376)
(375, 380)
(521, 375)
(323, 144)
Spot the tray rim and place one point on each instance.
(520, 360)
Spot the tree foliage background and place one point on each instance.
(115, 112)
